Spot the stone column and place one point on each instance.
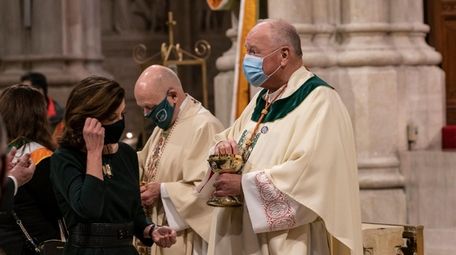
(62, 41)
(368, 70)
(421, 81)
(223, 82)
(325, 15)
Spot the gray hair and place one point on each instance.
(284, 33)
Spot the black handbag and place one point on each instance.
(52, 247)
(48, 247)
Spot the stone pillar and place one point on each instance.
(62, 41)
(223, 82)
(421, 81)
(368, 63)
(325, 16)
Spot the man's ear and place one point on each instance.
(285, 53)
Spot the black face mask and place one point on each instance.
(114, 131)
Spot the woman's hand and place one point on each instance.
(93, 134)
(164, 236)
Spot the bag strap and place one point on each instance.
(27, 235)
(63, 229)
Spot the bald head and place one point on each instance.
(154, 84)
(156, 80)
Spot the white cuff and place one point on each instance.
(16, 186)
(269, 208)
(175, 221)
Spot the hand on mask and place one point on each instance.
(93, 134)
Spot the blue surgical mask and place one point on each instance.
(253, 69)
(162, 114)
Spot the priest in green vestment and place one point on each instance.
(299, 184)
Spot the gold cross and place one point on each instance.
(170, 24)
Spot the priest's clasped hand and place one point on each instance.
(150, 193)
(227, 185)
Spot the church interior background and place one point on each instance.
(392, 61)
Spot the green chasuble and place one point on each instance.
(84, 198)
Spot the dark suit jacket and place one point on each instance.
(7, 197)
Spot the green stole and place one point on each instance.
(280, 108)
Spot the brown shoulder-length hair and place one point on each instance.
(25, 115)
(94, 97)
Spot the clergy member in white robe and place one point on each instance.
(299, 184)
(173, 160)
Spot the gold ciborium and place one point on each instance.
(225, 164)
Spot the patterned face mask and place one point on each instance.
(162, 114)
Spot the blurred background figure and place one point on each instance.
(55, 112)
(28, 133)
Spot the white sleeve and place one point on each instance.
(270, 209)
(175, 221)
(16, 186)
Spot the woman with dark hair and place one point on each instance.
(96, 177)
(24, 112)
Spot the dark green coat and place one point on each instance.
(87, 199)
